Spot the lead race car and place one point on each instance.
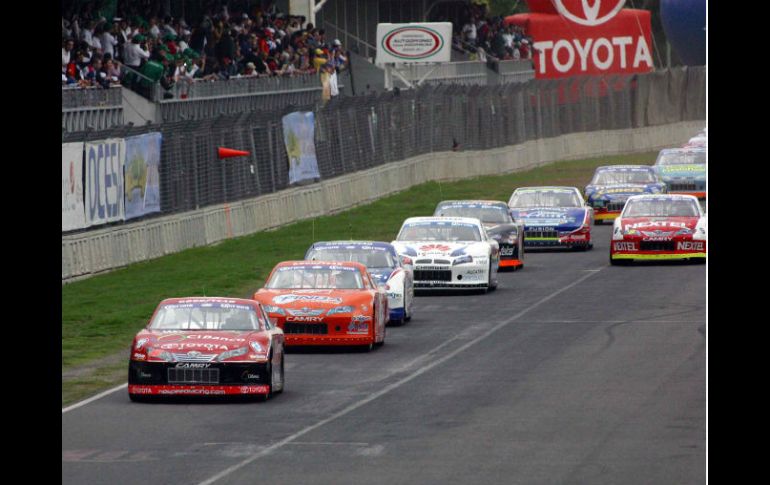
(207, 346)
(659, 227)
(383, 263)
(449, 253)
(612, 185)
(497, 220)
(325, 303)
(553, 217)
(683, 170)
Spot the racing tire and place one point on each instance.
(408, 309)
(598, 222)
(490, 286)
(283, 379)
(619, 262)
(138, 398)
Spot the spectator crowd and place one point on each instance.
(221, 45)
(485, 35)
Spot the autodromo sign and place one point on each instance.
(401, 43)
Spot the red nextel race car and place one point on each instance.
(325, 303)
(659, 227)
(206, 346)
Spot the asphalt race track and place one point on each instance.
(573, 371)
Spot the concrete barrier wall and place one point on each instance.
(102, 250)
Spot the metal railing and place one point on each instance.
(236, 86)
(93, 108)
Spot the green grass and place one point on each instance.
(100, 315)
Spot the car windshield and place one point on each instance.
(661, 207)
(545, 198)
(192, 315)
(682, 157)
(623, 176)
(371, 258)
(485, 213)
(439, 231)
(316, 277)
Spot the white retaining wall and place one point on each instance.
(101, 250)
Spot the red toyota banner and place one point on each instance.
(574, 37)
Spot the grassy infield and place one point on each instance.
(100, 315)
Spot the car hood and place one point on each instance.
(314, 302)
(204, 342)
(619, 190)
(659, 226)
(563, 218)
(381, 275)
(440, 249)
(694, 170)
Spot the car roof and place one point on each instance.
(305, 262)
(605, 167)
(352, 243)
(547, 187)
(212, 299)
(664, 196)
(468, 220)
(471, 201)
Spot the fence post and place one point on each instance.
(254, 161)
(272, 154)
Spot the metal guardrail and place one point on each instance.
(238, 86)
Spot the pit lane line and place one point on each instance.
(395, 385)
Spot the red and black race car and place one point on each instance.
(204, 346)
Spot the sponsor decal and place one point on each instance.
(193, 365)
(624, 246)
(248, 376)
(435, 248)
(689, 246)
(140, 343)
(291, 298)
(193, 392)
(139, 356)
(209, 347)
(141, 390)
(358, 328)
(655, 224)
(506, 251)
(145, 375)
(474, 271)
(305, 319)
(412, 42)
(196, 337)
(657, 233)
(682, 168)
(306, 312)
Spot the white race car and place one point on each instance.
(449, 253)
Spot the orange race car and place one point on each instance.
(325, 303)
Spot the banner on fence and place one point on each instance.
(414, 43)
(104, 181)
(141, 176)
(73, 211)
(299, 137)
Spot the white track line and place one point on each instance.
(93, 398)
(389, 388)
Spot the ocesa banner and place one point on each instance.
(414, 43)
(104, 181)
(73, 212)
(141, 176)
(573, 37)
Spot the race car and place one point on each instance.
(325, 303)
(449, 253)
(496, 219)
(383, 263)
(612, 185)
(698, 141)
(205, 346)
(683, 170)
(553, 217)
(659, 227)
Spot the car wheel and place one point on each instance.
(282, 379)
(408, 308)
(137, 398)
(490, 285)
(598, 222)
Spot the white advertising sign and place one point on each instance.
(414, 43)
(104, 181)
(73, 211)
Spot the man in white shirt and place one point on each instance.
(135, 53)
(469, 31)
(66, 52)
(333, 88)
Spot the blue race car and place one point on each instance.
(555, 217)
(612, 185)
(385, 266)
(683, 170)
